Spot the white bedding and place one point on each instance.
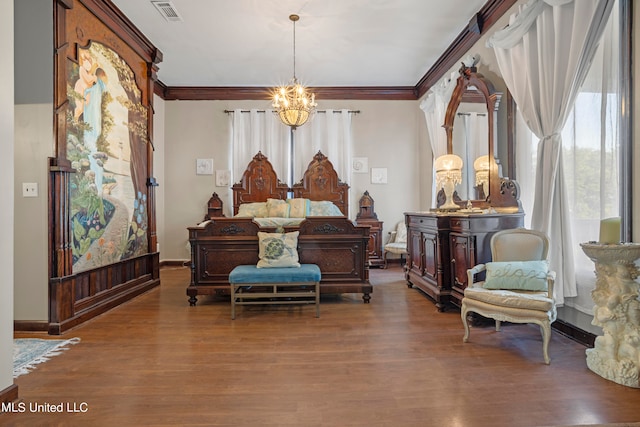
(278, 222)
(290, 209)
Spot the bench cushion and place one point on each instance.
(252, 274)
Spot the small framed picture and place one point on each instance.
(204, 166)
(360, 165)
(222, 178)
(378, 175)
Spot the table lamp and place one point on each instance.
(481, 166)
(448, 175)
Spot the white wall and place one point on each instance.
(33, 146)
(390, 133)
(33, 121)
(158, 165)
(6, 194)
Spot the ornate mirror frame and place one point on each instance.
(504, 193)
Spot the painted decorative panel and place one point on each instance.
(106, 123)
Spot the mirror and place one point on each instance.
(470, 141)
(471, 127)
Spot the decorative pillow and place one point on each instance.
(278, 250)
(323, 208)
(277, 208)
(517, 275)
(299, 208)
(253, 210)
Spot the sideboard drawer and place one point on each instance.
(422, 222)
(459, 224)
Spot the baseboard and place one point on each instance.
(175, 263)
(9, 394)
(574, 333)
(30, 325)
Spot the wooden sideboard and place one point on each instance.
(442, 246)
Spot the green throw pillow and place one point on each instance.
(278, 250)
(299, 208)
(277, 208)
(252, 210)
(517, 275)
(323, 208)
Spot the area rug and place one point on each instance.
(29, 352)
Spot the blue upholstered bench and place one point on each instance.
(279, 285)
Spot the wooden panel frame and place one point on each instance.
(259, 182)
(321, 182)
(335, 244)
(77, 297)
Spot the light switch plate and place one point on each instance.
(29, 189)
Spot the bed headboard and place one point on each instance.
(259, 182)
(320, 182)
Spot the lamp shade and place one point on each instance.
(481, 163)
(448, 162)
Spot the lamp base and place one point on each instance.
(448, 209)
(448, 187)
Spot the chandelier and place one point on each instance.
(292, 102)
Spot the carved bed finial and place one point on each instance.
(259, 157)
(319, 156)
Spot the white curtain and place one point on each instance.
(434, 106)
(591, 156)
(544, 55)
(329, 132)
(258, 130)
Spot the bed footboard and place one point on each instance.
(335, 244)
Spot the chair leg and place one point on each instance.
(498, 325)
(465, 323)
(384, 258)
(546, 336)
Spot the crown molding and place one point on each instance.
(210, 93)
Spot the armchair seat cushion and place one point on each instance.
(539, 301)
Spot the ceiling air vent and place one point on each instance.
(167, 10)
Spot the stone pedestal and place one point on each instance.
(616, 354)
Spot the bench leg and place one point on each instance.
(233, 302)
(317, 299)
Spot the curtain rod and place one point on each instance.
(317, 111)
(468, 114)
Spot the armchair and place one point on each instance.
(518, 286)
(397, 243)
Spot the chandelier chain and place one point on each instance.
(294, 46)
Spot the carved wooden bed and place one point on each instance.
(334, 243)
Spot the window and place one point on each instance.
(595, 139)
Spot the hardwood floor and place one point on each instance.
(395, 362)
